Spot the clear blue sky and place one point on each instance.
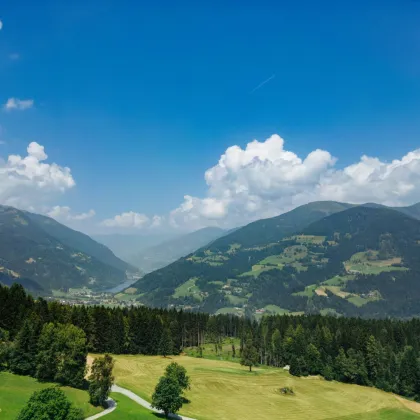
(140, 98)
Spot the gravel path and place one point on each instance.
(135, 398)
(112, 405)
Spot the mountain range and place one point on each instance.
(323, 257)
(43, 255)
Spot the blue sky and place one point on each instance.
(139, 99)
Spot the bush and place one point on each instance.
(49, 404)
(287, 391)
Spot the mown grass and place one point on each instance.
(16, 390)
(386, 414)
(225, 390)
(130, 410)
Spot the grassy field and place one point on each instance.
(129, 410)
(187, 289)
(16, 390)
(391, 414)
(225, 390)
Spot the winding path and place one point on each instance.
(135, 398)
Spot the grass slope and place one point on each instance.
(225, 390)
(130, 410)
(16, 390)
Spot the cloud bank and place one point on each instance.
(28, 181)
(264, 179)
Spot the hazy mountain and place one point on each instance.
(47, 255)
(160, 255)
(324, 256)
(125, 246)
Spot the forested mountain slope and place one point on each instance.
(160, 255)
(79, 241)
(40, 261)
(322, 257)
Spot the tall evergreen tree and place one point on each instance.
(249, 355)
(23, 357)
(165, 344)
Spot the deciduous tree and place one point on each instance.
(167, 396)
(49, 404)
(101, 380)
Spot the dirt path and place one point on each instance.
(412, 405)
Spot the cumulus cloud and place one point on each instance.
(264, 179)
(64, 213)
(18, 104)
(27, 181)
(129, 219)
(157, 221)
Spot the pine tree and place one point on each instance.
(373, 362)
(249, 355)
(23, 358)
(313, 360)
(165, 344)
(276, 344)
(408, 376)
(46, 361)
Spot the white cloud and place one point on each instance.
(18, 104)
(64, 213)
(127, 220)
(1, 25)
(27, 181)
(14, 56)
(264, 180)
(157, 221)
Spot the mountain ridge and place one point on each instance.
(232, 275)
(30, 253)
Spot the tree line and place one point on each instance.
(376, 352)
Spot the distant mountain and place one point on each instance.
(43, 255)
(323, 257)
(160, 255)
(125, 245)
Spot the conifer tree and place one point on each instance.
(165, 344)
(23, 357)
(249, 355)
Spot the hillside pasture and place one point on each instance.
(225, 390)
(16, 390)
(187, 289)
